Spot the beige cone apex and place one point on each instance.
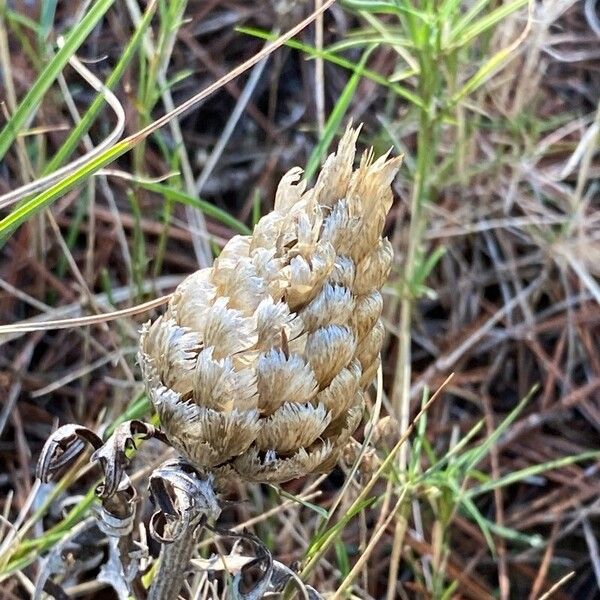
(260, 363)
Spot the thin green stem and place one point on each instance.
(421, 193)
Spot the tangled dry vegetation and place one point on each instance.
(495, 230)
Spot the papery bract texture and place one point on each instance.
(260, 364)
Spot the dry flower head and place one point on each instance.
(260, 364)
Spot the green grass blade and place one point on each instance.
(335, 118)
(341, 554)
(32, 99)
(31, 206)
(322, 512)
(464, 21)
(339, 61)
(325, 538)
(521, 474)
(86, 121)
(449, 8)
(512, 535)
(37, 203)
(368, 36)
(452, 456)
(464, 34)
(470, 508)
(206, 207)
(470, 459)
(16, 17)
(47, 12)
(497, 62)
(384, 8)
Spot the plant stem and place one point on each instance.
(174, 560)
(401, 393)
(187, 500)
(429, 84)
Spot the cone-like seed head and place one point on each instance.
(260, 364)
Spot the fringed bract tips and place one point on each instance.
(260, 363)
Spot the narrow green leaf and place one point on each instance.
(341, 554)
(37, 203)
(367, 36)
(31, 206)
(21, 19)
(470, 459)
(372, 6)
(28, 105)
(339, 61)
(256, 207)
(324, 537)
(521, 474)
(335, 118)
(86, 121)
(470, 508)
(449, 8)
(468, 17)
(497, 62)
(464, 34)
(535, 541)
(452, 456)
(383, 8)
(206, 207)
(314, 507)
(47, 12)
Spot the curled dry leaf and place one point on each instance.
(63, 447)
(273, 575)
(116, 515)
(184, 500)
(112, 455)
(262, 562)
(259, 366)
(117, 512)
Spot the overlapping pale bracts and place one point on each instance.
(261, 362)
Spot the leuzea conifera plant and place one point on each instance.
(259, 367)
